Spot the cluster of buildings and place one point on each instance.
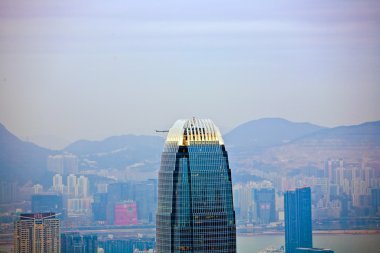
(338, 190)
(126, 203)
(256, 203)
(121, 203)
(40, 233)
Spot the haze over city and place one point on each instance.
(167, 126)
(91, 69)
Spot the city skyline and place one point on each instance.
(76, 71)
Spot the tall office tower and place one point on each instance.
(37, 233)
(99, 207)
(44, 203)
(265, 205)
(298, 230)
(145, 195)
(74, 242)
(195, 210)
(72, 185)
(82, 186)
(57, 183)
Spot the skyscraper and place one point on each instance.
(265, 205)
(195, 210)
(298, 230)
(99, 207)
(37, 233)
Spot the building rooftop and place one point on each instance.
(186, 132)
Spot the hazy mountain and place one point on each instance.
(267, 132)
(366, 135)
(354, 144)
(20, 160)
(119, 151)
(266, 141)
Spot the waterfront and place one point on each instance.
(340, 243)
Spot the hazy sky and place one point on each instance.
(91, 69)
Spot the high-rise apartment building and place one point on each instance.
(195, 208)
(63, 164)
(37, 233)
(57, 183)
(298, 227)
(72, 185)
(83, 187)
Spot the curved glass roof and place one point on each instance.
(187, 132)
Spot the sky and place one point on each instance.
(74, 70)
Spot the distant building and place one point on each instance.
(99, 210)
(8, 192)
(37, 188)
(125, 213)
(37, 233)
(83, 187)
(126, 245)
(311, 250)
(78, 206)
(118, 192)
(375, 200)
(298, 220)
(63, 164)
(264, 203)
(44, 203)
(74, 242)
(72, 185)
(57, 183)
(144, 193)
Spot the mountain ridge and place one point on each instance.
(267, 140)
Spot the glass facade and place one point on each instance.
(298, 228)
(195, 208)
(265, 205)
